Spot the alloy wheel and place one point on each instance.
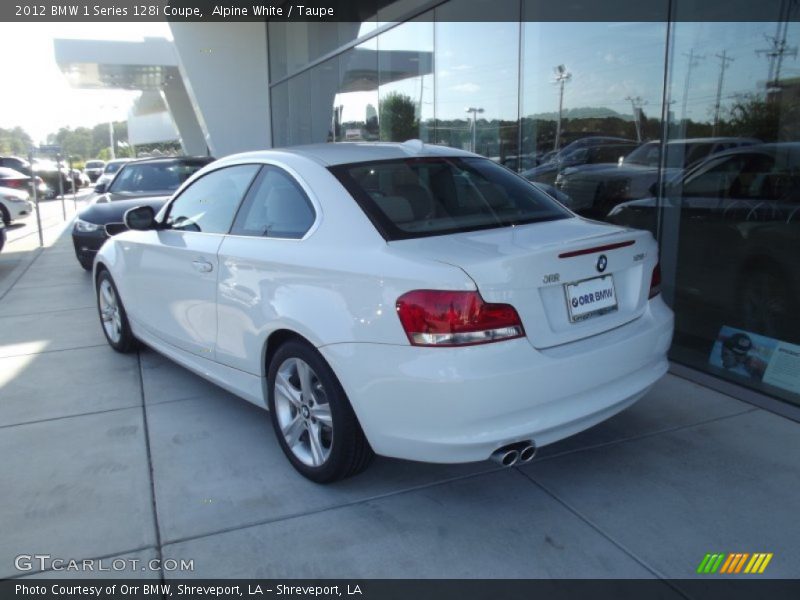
(110, 311)
(303, 412)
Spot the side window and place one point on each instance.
(275, 207)
(209, 204)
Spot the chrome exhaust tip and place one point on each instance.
(506, 456)
(526, 453)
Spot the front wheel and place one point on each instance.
(113, 317)
(313, 420)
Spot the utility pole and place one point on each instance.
(636, 106)
(724, 62)
(775, 54)
(693, 61)
(562, 77)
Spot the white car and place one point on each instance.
(409, 300)
(14, 204)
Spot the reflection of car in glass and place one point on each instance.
(147, 181)
(417, 301)
(595, 189)
(587, 155)
(93, 169)
(739, 238)
(109, 171)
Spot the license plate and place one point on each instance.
(590, 298)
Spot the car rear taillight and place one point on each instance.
(655, 281)
(443, 318)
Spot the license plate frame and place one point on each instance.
(603, 308)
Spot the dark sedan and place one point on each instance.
(739, 220)
(149, 181)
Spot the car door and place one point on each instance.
(260, 261)
(173, 270)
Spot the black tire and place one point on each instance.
(5, 215)
(126, 342)
(350, 452)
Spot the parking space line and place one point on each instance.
(154, 502)
(62, 417)
(299, 515)
(600, 530)
(645, 435)
(54, 350)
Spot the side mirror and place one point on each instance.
(140, 218)
(100, 188)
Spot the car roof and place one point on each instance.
(773, 149)
(163, 159)
(340, 153)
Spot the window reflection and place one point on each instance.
(355, 106)
(477, 77)
(588, 107)
(405, 72)
(730, 227)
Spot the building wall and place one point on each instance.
(224, 67)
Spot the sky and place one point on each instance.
(36, 95)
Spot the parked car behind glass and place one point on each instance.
(739, 215)
(410, 300)
(596, 189)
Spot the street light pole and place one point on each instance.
(636, 106)
(474, 112)
(111, 139)
(562, 77)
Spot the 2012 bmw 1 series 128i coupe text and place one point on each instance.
(407, 300)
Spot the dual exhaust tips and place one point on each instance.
(512, 454)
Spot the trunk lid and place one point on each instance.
(529, 267)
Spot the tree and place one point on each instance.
(398, 121)
(751, 115)
(15, 141)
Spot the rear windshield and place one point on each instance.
(419, 197)
(94, 164)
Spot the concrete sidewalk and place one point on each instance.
(107, 456)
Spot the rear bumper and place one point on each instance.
(460, 404)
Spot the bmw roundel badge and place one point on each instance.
(602, 263)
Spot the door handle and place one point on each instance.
(202, 265)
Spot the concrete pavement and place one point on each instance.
(108, 456)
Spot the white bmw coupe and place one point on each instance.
(408, 300)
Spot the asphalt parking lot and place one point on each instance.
(107, 456)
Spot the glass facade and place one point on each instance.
(687, 128)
